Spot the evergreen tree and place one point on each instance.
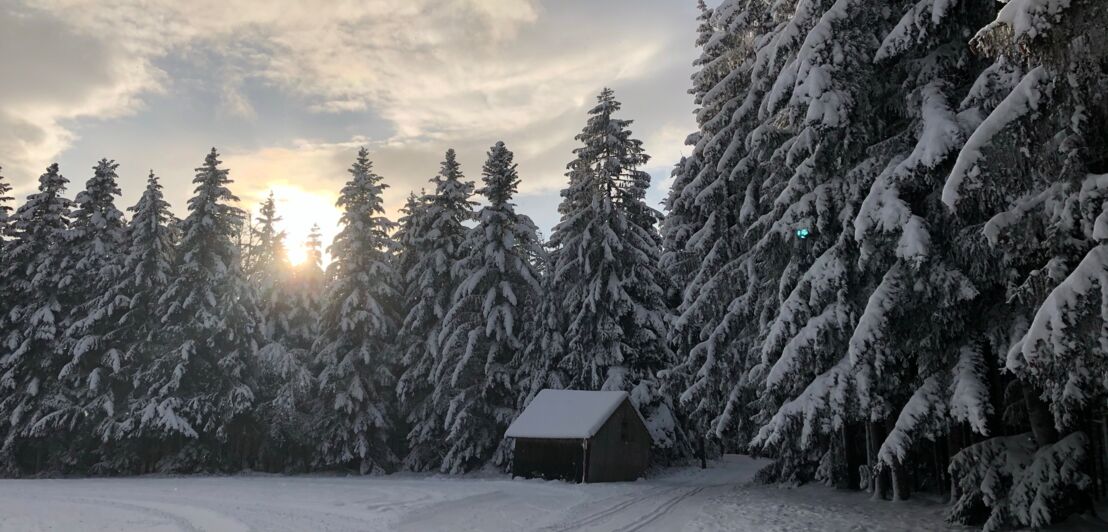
(288, 383)
(5, 209)
(609, 288)
(538, 364)
(839, 307)
(285, 379)
(198, 395)
(33, 405)
(438, 239)
(498, 289)
(94, 256)
(313, 262)
(357, 328)
(269, 274)
(408, 238)
(307, 288)
(7, 297)
(711, 207)
(409, 241)
(117, 338)
(1030, 178)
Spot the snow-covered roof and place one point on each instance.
(565, 414)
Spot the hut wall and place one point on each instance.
(620, 450)
(548, 459)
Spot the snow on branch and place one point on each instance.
(1023, 100)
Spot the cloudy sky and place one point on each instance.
(288, 89)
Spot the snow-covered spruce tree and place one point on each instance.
(30, 394)
(5, 209)
(94, 253)
(408, 254)
(117, 337)
(358, 327)
(6, 297)
(313, 254)
(809, 160)
(924, 363)
(197, 395)
(801, 157)
(269, 275)
(746, 152)
(306, 291)
(610, 289)
(284, 376)
(407, 235)
(538, 364)
(288, 399)
(483, 332)
(686, 210)
(713, 203)
(1030, 176)
(437, 237)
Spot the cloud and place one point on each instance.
(431, 67)
(440, 73)
(56, 73)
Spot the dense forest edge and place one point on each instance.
(882, 263)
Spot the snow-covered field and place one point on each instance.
(720, 498)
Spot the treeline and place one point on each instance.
(891, 242)
(884, 264)
(150, 343)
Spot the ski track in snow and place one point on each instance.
(720, 498)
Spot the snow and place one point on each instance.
(1029, 17)
(914, 27)
(1024, 99)
(720, 498)
(565, 414)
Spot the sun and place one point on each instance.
(296, 254)
(299, 210)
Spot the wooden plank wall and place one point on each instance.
(620, 450)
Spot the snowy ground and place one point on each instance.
(691, 500)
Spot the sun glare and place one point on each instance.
(299, 209)
(297, 253)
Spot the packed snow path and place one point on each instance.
(685, 499)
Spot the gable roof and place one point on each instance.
(565, 414)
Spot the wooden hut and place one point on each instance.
(580, 435)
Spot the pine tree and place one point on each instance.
(357, 327)
(198, 395)
(117, 338)
(538, 366)
(1030, 178)
(269, 274)
(285, 379)
(610, 289)
(409, 239)
(29, 364)
(314, 246)
(307, 294)
(839, 306)
(498, 289)
(7, 297)
(712, 205)
(438, 238)
(94, 256)
(5, 209)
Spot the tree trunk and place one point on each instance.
(1102, 455)
(1042, 422)
(880, 476)
(902, 488)
(703, 453)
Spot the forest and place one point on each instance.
(882, 263)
